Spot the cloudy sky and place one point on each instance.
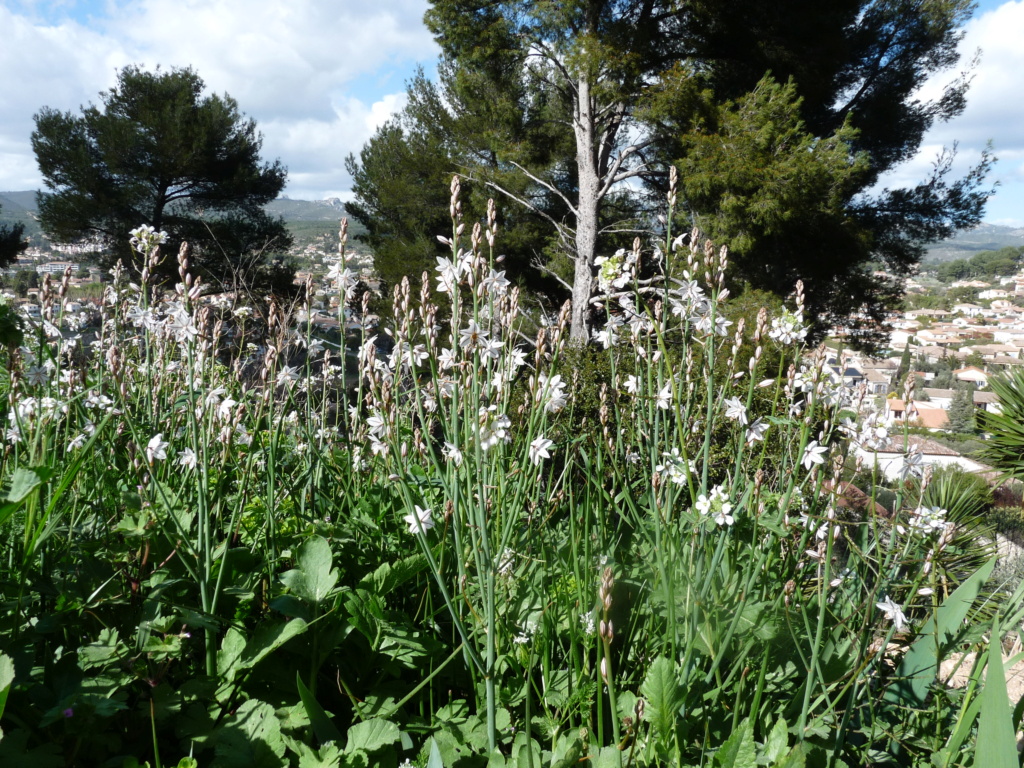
(320, 76)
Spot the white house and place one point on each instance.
(891, 457)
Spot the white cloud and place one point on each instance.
(317, 76)
(995, 112)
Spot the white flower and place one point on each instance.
(587, 623)
(145, 237)
(724, 517)
(377, 424)
(788, 329)
(493, 427)
(929, 520)
(37, 375)
(287, 375)
(632, 384)
(893, 612)
(448, 274)
(156, 450)
(77, 442)
(703, 504)
(814, 454)
(756, 430)
(447, 359)
(551, 392)
(736, 410)
(188, 459)
(675, 467)
(495, 282)
(912, 465)
(516, 359)
(473, 336)
(420, 520)
(224, 409)
(452, 453)
(665, 396)
(539, 450)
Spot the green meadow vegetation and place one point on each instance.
(469, 542)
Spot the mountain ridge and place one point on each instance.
(20, 206)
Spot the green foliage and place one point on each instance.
(224, 561)
(774, 165)
(961, 411)
(1005, 449)
(12, 243)
(158, 152)
(983, 266)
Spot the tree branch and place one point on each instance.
(546, 186)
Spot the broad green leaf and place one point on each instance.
(26, 480)
(919, 667)
(314, 578)
(738, 750)
(663, 695)
(795, 759)
(388, 576)
(231, 649)
(328, 756)
(777, 741)
(250, 738)
(6, 679)
(434, 761)
(371, 735)
(324, 729)
(608, 757)
(567, 750)
(267, 639)
(997, 743)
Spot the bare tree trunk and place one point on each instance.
(586, 210)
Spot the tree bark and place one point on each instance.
(586, 210)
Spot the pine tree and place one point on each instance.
(780, 116)
(961, 411)
(12, 243)
(159, 152)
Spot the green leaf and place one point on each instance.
(250, 738)
(919, 667)
(608, 757)
(26, 480)
(997, 743)
(322, 726)
(777, 741)
(328, 756)
(371, 735)
(664, 696)
(314, 578)
(795, 759)
(388, 576)
(231, 649)
(567, 750)
(738, 750)
(267, 639)
(434, 761)
(6, 679)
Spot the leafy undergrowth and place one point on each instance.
(491, 549)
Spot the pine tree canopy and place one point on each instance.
(781, 118)
(159, 152)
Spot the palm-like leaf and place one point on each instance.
(1005, 449)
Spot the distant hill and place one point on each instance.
(311, 220)
(307, 219)
(985, 237)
